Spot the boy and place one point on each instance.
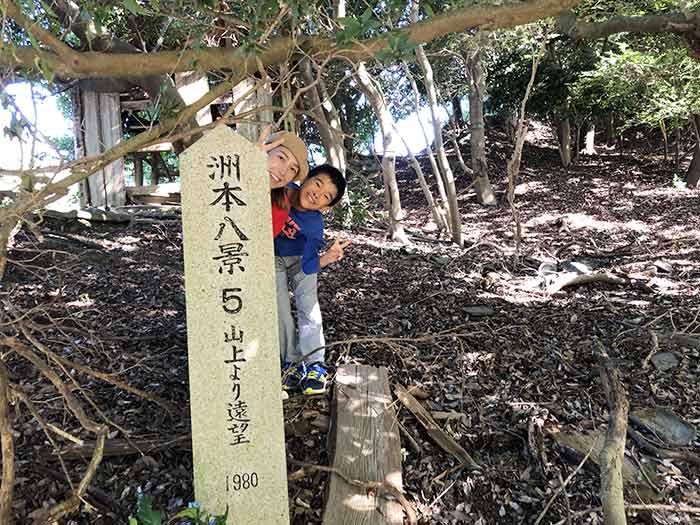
(297, 259)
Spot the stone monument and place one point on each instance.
(233, 350)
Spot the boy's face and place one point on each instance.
(317, 193)
(282, 167)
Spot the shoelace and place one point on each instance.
(315, 373)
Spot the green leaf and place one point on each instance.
(188, 513)
(134, 7)
(146, 515)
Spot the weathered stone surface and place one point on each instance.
(666, 425)
(235, 390)
(665, 361)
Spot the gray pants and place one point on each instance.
(292, 348)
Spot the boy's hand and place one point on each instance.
(335, 252)
(266, 132)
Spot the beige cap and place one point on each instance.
(294, 144)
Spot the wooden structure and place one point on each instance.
(98, 127)
(101, 118)
(365, 450)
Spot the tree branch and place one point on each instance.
(613, 452)
(685, 25)
(36, 31)
(8, 450)
(91, 64)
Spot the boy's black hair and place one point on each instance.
(336, 178)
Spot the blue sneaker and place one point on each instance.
(315, 380)
(292, 376)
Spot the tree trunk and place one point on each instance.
(7, 444)
(386, 123)
(329, 129)
(693, 175)
(664, 135)
(590, 141)
(453, 137)
(563, 132)
(677, 152)
(439, 219)
(347, 121)
(610, 129)
(289, 123)
(457, 111)
(477, 75)
(445, 169)
(511, 125)
(336, 149)
(444, 212)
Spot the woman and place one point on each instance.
(286, 162)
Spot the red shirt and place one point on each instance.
(279, 217)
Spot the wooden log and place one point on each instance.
(168, 193)
(613, 453)
(574, 279)
(365, 447)
(88, 214)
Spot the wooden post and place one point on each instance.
(138, 170)
(193, 85)
(155, 169)
(246, 99)
(233, 349)
(101, 128)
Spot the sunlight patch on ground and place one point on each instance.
(128, 240)
(526, 187)
(582, 221)
(666, 192)
(82, 302)
(544, 218)
(680, 233)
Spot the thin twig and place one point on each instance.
(365, 485)
(99, 375)
(654, 349)
(681, 509)
(562, 487)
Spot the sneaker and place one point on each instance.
(315, 380)
(292, 375)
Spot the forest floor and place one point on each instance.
(511, 367)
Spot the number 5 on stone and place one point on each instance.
(231, 294)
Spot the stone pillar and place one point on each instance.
(233, 349)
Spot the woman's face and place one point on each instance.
(282, 167)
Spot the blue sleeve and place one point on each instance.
(311, 260)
